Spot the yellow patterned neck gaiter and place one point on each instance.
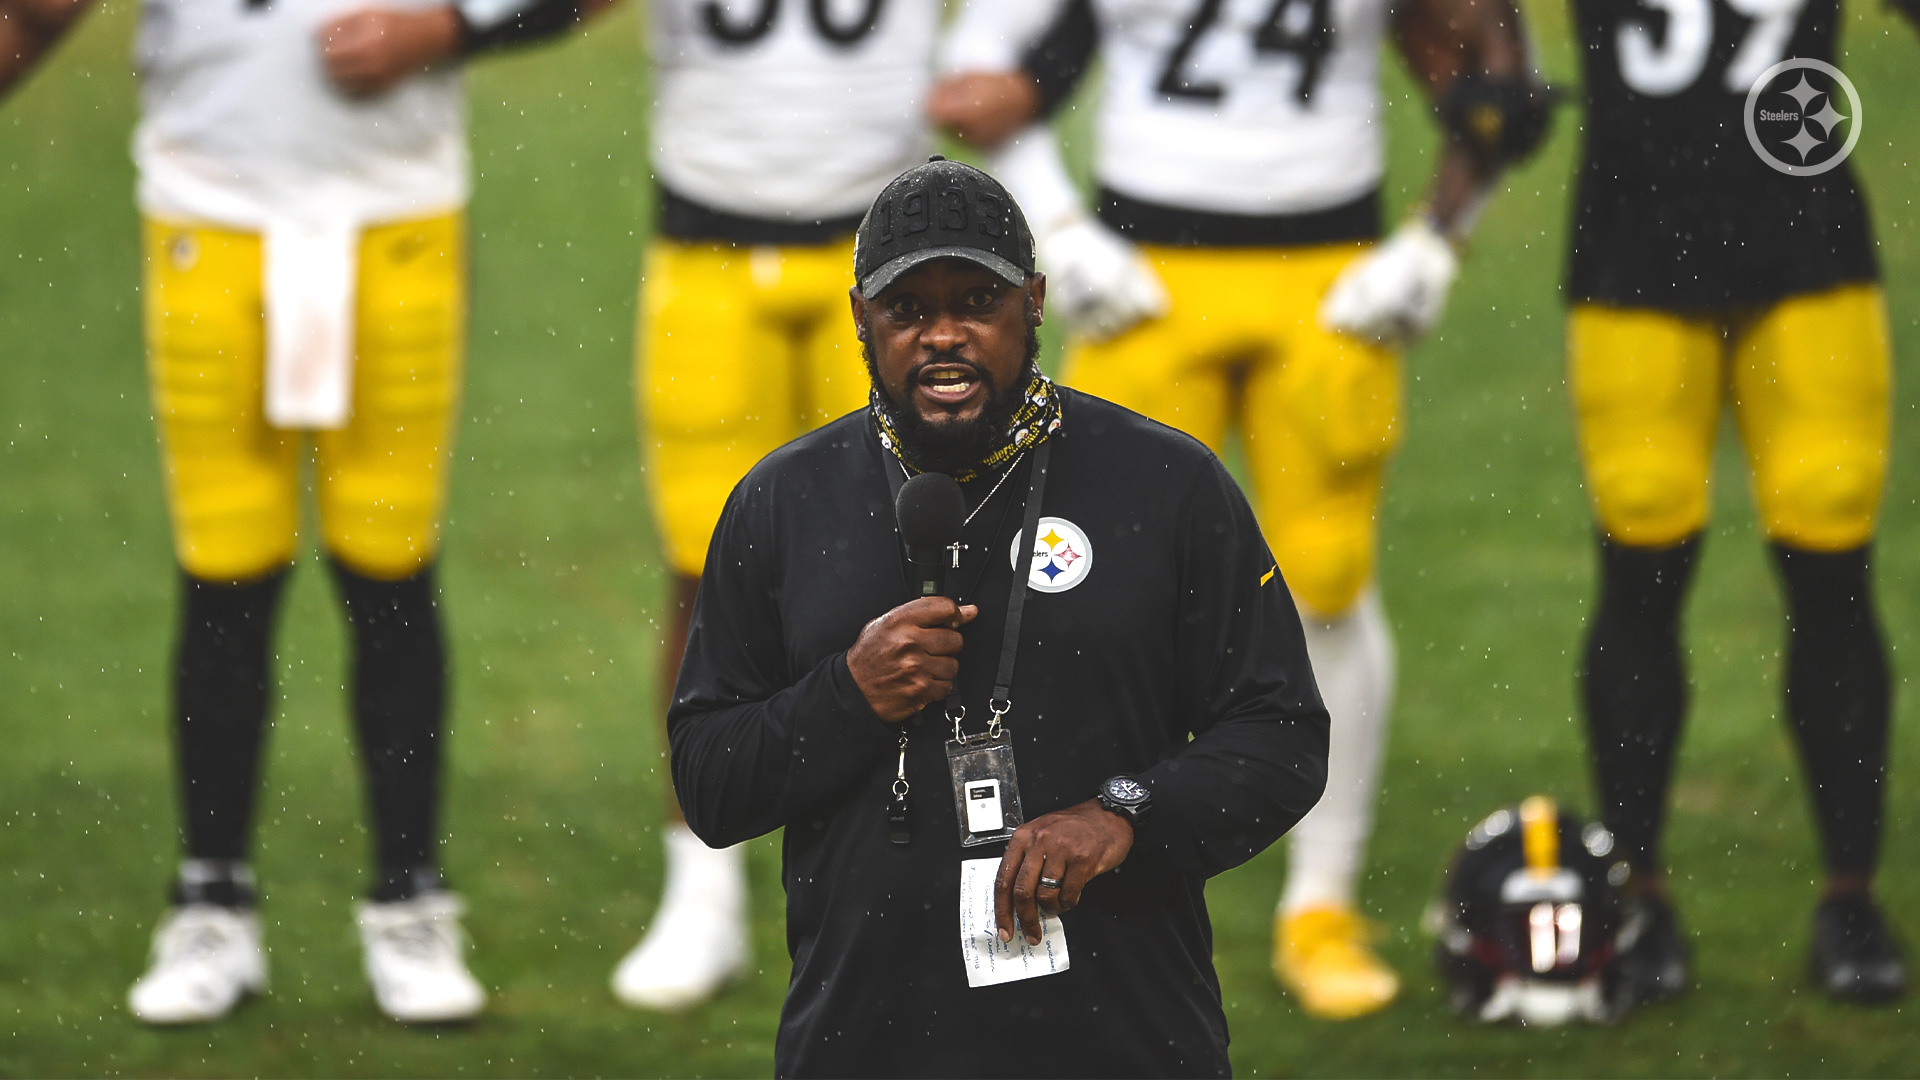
(1037, 418)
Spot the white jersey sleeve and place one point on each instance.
(993, 35)
(240, 127)
(790, 108)
(1260, 107)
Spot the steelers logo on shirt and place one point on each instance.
(1062, 556)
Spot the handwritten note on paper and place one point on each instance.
(989, 960)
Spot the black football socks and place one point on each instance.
(1635, 687)
(399, 706)
(1838, 699)
(1838, 691)
(221, 679)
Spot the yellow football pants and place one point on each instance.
(1809, 380)
(1318, 412)
(233, 482)
(740, 351)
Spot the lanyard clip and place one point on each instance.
(899, 827)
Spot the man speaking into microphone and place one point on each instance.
(1016, 672)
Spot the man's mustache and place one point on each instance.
(948, 359)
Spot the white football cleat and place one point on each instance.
(205, 959)
(413, 959)
(698, 940)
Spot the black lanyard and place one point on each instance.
(1000, 702)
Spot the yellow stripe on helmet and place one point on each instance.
(1540, 834)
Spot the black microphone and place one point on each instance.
(930, 511)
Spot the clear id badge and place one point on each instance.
(986, 789)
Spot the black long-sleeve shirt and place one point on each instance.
(1177, 658)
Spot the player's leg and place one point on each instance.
(381, 484)
(1321, 418)
(1812, 382)
(833, 375)
(231, 495)
(715, 396)
(1647, 388)
(1176, 369)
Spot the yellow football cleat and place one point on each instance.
(1324, 957)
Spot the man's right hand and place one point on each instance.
(369, 52)
(984, 107)
(29, 28)
(906, 659)
(1099, 282)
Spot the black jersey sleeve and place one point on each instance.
(486, 25)
(753, 743)
(1257, 761)
(1060, 58)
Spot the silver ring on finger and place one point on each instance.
(1050, 883)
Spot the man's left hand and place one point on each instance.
(1071, 846)
(368, 53)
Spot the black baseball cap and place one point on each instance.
(942, 209)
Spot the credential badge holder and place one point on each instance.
(986, 787)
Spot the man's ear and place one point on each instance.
(1036, 299)
(859, 304)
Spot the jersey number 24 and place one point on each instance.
(1664, 67)
(1301, 28)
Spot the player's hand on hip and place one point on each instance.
(1099, 282)
(984, 107)
(1395, 294)
(368, 52)
(907, 659)
(1072, 847)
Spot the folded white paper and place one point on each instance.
(309, 286)
(989, 960)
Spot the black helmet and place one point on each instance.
(1528, 918)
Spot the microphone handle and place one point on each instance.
(930, 576)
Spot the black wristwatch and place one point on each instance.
(1127, 797)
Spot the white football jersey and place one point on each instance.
(240, 127)
(1234, 106)
(790, 108)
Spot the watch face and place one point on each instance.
(1126, 789)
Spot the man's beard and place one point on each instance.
(953, 446)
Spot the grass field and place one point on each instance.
(553, 585)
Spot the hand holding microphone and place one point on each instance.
(907, 659)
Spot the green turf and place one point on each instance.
(553, 583)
